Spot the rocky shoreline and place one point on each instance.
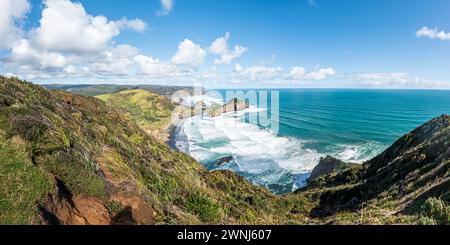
(173, 129)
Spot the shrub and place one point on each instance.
(204, 208)
(437, 210)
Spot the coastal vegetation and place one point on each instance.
(151, 112)
(72, 159)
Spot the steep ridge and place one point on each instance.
(414, 169)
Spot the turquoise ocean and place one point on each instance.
(351, 125)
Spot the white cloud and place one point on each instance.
(12, 11)
(433, 33)
(220, 47)
(66, 27)
(189, 54)
(320, 74)
(125, 51)
(427, 83)
(258, 73)
(154, 67)
(381, 79)
(166, 7)
(70, 43)
(297, 72)
(25, 55)
(137, 25)
(300, 73)
(394, 80)
(117, 61)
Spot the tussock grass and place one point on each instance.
(23, 185)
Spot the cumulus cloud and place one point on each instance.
(69, 42)
(297, 72)
(117, 61)
(189, 54)
(66, 27)
(166, 7)
(258, 73)
(12, 11)
(220, 47)
(137, 25)
(321, 74)
(25, 55)
(154, 67)
(433, 33)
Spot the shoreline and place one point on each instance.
(172, 131)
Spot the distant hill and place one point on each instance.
(151, 112)
(93, 90)
(71, 159)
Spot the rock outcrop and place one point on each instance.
(224, 160)
(233, 105)
(327, 165)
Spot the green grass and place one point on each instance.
(77, 177)
(150, 111)
(204, 208)
(435, 211)
(23, 186)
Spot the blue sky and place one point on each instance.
(260, 43)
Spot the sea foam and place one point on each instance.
(279, 163)
(260, 155)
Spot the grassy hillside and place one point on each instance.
(69, 159)
(151, 112)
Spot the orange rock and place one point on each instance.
(81, 210)
(141, 213)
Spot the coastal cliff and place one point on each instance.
(70, 159)
(405, 178)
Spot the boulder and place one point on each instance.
(327, 166)
(224, 160)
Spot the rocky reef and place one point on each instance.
(233, 105)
